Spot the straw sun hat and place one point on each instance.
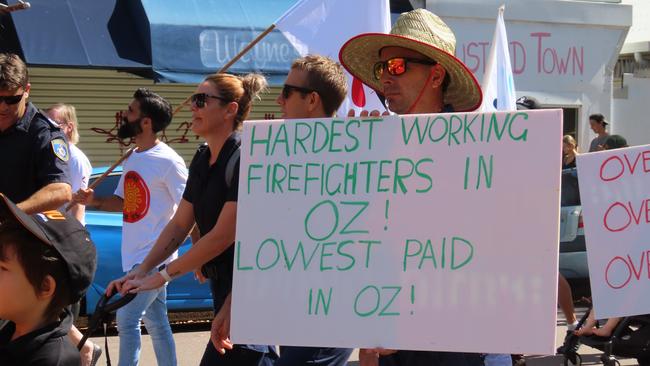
(424, 32)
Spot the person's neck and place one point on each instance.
(28, 323)
(145, 142)
(422, 108)
(215, 143)
(602, 133)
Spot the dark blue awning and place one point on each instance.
(179, 41)
(76, 33)
(190, 39)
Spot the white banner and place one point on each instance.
(616, 214)
(421, 232)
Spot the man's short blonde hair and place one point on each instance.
(326, 77)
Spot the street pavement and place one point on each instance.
(191, 341)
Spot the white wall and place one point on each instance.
(562, 52)
(640, 30)
(630, 115)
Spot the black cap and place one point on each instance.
(615, 142)
(66, 235)
(527, 102)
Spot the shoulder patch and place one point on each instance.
(60, 149)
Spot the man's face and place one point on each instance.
(295, 104)
(66, 126)
(596, 127)
(401, 91)
(17, 296)
(11, 113)
(131, 123)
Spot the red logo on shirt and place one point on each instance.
(136, 197)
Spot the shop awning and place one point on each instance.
(190, 39)
(76, 33)
(178, 41)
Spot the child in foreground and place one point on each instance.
(47, 262)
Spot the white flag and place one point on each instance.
(498, 83)
(323, 26)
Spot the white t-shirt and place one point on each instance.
(80, 169)
(152, 185)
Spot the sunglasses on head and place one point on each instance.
(288, 89)
(12, 99)
(199, 99)
(397, 65)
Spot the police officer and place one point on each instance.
(33, 150)
(34, 157)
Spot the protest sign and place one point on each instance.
(422, 232)
(616, 215)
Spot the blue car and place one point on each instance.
(184, 293)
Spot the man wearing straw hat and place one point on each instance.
(414, 68)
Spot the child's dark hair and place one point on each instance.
(38, 261)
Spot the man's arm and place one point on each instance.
(50, 197)
(87, 197)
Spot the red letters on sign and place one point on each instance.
(628, 268)
(616, 166)
(620, 216)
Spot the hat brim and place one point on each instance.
(24, 219)
(80, 260)
(359, 55)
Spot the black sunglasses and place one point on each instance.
(12, 99)
(199, 99)
(397, 66)
(288, 89)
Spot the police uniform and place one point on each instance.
(33, 153)
(208, 191)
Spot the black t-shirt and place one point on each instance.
(33, 153)
(47, 346)
(207, 191)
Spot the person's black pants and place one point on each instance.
(427, 358)
(238, 356)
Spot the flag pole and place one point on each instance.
(231, 62)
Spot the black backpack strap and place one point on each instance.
(233, 161)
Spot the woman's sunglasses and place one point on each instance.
(397, 66)
(199, 99)
(12, 99)
(288, 89)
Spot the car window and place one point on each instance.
(106, 188)
(570, 195)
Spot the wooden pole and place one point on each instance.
(231, 62)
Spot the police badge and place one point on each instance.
(60, 149)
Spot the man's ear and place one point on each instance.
(146, 121)
(314, 101)
(437, 76)
(48, 287)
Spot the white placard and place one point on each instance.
(421, 232)
(614, 191)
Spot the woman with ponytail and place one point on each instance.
(220, 105)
